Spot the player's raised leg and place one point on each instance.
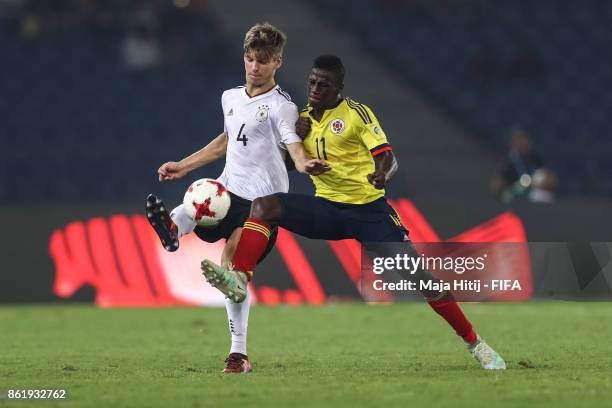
(168, 227)
(159, 218)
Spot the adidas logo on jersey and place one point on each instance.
(231, 112)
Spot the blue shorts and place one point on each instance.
(318, 218)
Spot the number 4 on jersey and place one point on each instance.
(242, 138)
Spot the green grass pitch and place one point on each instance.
(558, 354)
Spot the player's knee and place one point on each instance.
(267, 209)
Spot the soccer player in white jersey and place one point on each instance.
(259, 129)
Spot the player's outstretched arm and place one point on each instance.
(386, 167)
(304, 163)
(208, 154)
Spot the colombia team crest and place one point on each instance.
(337, 126)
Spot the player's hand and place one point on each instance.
(377, 179)
(171, 171)
(315, 167)
(302, 127)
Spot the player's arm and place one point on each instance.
(208, 154)
(303, 162)
(385, 165)
(285, 121)
(375, 140)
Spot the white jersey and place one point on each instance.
(257, 129)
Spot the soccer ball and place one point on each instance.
(206, 202)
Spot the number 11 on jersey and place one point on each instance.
(323, 148)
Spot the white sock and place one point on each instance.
(238, 319)
(183, 222)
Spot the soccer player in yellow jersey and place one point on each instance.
(348, 137)
(349, 201)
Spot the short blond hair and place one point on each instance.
(265, 41)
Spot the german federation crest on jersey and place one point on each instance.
(337, 126)
(262, 113)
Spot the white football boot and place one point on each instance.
(486, 356)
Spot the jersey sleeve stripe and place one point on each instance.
(283, 94)
(359, 113)
(359, 109)
(353, 106)
(380, 146)
(365, 111)
(380, 149)
(362, 109)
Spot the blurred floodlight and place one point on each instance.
(181, 3)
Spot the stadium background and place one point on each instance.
(95, 95)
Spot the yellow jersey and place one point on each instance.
(347, 137)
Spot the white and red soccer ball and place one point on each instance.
(207, 202)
